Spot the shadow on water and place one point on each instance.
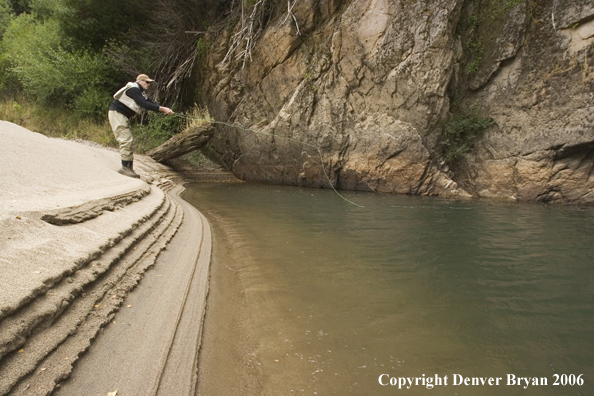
(312, 295)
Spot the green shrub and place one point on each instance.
(8, 83)
(156, 129)
(92, 102)
(37, 57)
(461, 131)
(5, 16)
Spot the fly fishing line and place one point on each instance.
(317, 148)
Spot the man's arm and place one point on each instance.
(137, 96)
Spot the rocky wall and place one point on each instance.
(357, 93)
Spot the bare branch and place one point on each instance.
(553, 14)
(290, 15)
(244, 40)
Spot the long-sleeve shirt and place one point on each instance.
(136, 94)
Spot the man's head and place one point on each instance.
(144, 80)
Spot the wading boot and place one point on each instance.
(127, 170)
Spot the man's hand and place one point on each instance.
(165, 110)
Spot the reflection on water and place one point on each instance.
(312, 295)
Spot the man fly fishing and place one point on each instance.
(129, 101)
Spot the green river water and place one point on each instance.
(311, 295)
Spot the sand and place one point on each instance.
(100, 273)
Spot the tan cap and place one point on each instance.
(144, 77)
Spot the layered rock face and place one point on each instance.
(357, 94)
(538, 85)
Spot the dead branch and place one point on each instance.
(249, 29)
(553, 14)
(245, 37)
(173, 32)
(290, 15)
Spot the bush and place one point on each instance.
(36, 54)
(156, 129)
(5, 16)
(461, 131)
(92, 102)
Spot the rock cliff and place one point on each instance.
(485, 98)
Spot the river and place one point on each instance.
(311, 295)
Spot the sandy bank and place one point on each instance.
(75, 238)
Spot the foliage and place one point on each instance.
(19, 6)
(71, 55)
(46, 70)
(6, 15)
(50, 9)
(91, 102)
(128, 61)
(473, 48)
(155, 129)
(93, 23)
(476, 54)
(461, 131)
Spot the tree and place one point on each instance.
(94, 23)
(77, 52)
(38, 57)
(19, 6)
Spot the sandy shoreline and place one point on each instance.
(76, 237)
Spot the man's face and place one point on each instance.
(144, 84)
